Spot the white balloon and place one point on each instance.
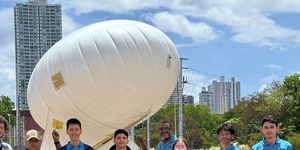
(109, 75)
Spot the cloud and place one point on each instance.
(262, 87)
(269, 79)
(7, 65)
(179, 24)
(272, 66)
(294, 72)
(6, 28)
(68, 24)
(250, 21)
(113, 6)
(254, 28)
(195, 83)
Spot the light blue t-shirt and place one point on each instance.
(167, 146)
(278, 145)
(230, 147)
(80, 146)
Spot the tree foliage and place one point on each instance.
(291, 94)
(6, 107)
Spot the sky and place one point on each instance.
(256, 41)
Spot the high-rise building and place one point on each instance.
(225, 95)
(174, 98)
(38, 26)
(189, 99)
(206, 97)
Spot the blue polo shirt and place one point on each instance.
(278, 145)
(167, 146)
(81, 146)
(230, 147)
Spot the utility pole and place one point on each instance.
(9, 132)
(148, 133)
(180, 112)
(17, 139)
(132, 133)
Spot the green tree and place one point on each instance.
(295, 141)
(6, 106)
(246, 116)
(163, 114)
(291, 94)
(200, 126)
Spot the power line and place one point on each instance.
(237, 68)
(212, 74)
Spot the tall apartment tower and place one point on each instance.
(37, 27)
(189, 99)
(174, 98)
(206, 97)
(225, 95)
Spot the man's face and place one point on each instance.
(74, 132)
(225, 137)
(269, 130)
(2, 130)
(33, 144)
(121, 140)
(165, 130)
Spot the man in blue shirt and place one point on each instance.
(74, 131)
(168, 139)
(269, 127)
(225, 135)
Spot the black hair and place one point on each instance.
(269, 118)
(4, 121)
(120, 131)
(177, 140)
(225, 127)
(165, 121)
(73, 121)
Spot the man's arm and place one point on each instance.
(141, 143)
(55, 137)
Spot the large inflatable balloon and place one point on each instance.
(109, 75)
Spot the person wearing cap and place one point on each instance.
(74, 131)
(3, 129)
(168, 138)
(33, 141)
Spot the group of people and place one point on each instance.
(269, 128)
(225, 132)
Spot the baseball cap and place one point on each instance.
(32, 134)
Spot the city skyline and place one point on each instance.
(256, 43)
(221, 95)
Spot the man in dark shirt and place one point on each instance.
(120, 140)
